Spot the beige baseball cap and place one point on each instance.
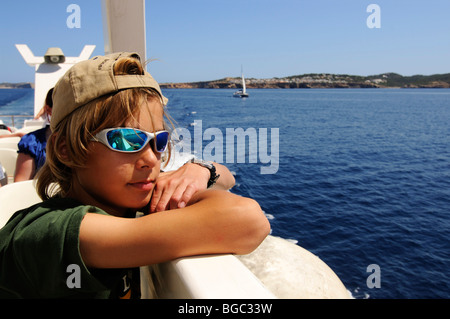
(91, 79)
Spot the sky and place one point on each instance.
(202, 40)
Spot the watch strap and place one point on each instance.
(213, 177)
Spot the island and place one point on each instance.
(323, 80)
(22, 85)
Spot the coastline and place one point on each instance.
(21, 85)
(305, 81)
(322, 80)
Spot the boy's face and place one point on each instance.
(115, 181)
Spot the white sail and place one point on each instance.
(243, 92)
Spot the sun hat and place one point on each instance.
(91, 79)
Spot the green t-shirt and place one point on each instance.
(40, 257)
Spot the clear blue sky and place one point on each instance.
(195, 40)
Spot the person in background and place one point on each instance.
(32, 146)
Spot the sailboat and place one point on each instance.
(243, 92)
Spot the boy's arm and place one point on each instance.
(213, 222)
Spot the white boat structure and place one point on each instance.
(241, 93)
(277, 269)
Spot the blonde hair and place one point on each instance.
(76, 130)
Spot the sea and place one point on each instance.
(359, 177)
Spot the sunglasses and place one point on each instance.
(131, 140)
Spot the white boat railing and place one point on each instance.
(276, 269)
(16, 121)
(202, 277)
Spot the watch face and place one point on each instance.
(203, 163)
(208, 165)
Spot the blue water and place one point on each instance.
(16, 102)
(363, 177)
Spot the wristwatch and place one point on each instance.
(212, 170)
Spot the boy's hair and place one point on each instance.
(77, 128)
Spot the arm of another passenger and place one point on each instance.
(25, 168)
(214, 222)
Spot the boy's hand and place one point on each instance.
(174, 189)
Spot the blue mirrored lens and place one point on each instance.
(126, 139)
(161, 141)
(129, 140)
